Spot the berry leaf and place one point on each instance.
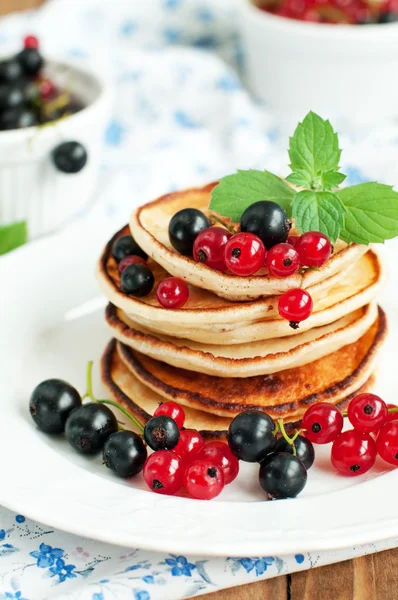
(314, 147)
(12, 236)
(371, 213)
(235, 193)
(299, 178)
(332, 179)
(318, 211)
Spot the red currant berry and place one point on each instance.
(295, 306)
(31, 41)
(209, 246)
(322, 422)
(172, 292)
(164, 472)
(367, 412)
(392, 416)
(244, 254)
(172, 410)
(132, 259)
(292, 240)
(190, 445)
(282, 260)
(47, 89)
(220, 454)
(204, 480)
(353, 453)
(314, 249)
(387, 443)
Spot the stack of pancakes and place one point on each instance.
(227, 349)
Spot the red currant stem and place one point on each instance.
(217, 219)
(393, 410)
(287, 438)
(89, 394)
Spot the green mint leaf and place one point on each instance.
(332, 180)
(371, 213)
(235, 193)
(12, 236)
(299, 178)
(314, 147)
(318, 211)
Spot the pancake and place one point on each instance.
(243, 360)
(285, 394)
(208, 318)
(125, 389)
(149, 226)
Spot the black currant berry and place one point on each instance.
(11, 96)
(10, 70)
(161, 433)
(304, 449)
(30, 60)
(17, 118)
(126, 246)
(282, 475)
(184, 227)
(250, 435)
(268, 220)
(137, 280)
(51, 403)
(388, 17)
(125, 453)
(70, 157)
(88, 427)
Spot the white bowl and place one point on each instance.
(31, 188)
(348, 70)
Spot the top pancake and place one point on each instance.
(149, 226)
(207, 317)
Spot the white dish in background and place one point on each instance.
(51, 323)
(31, 188)
(331, 69)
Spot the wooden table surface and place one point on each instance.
(373, 577)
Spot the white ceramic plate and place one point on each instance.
(51, 324)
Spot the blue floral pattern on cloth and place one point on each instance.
(209, 127)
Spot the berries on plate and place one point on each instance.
(161, 433)
(184, 227)
(51, 403)
(137, 280)
(244, 254)
(172, 293)
(322, 423)
(189, 445)
(172, 410)
(314, 249)
(250, 435)
(282, 261)
(89, 426)
(209, 247)
(353, 453)
(387, 442)
(70, 157)
(295, 306)
(304, 449)
(220, 454)
(131, 259)
(164, 472)
(124, 453)
(203, 479)
(282, 475)
(268, 220)
(392, 416)
(367, 412)
(127, 246)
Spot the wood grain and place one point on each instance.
(7, 6)
(271, 589)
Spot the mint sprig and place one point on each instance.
(12, 236)
(363, 213)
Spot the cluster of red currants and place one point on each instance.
(355, 12)
(181, 459)
(355, 451)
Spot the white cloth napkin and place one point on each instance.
(181, 117)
